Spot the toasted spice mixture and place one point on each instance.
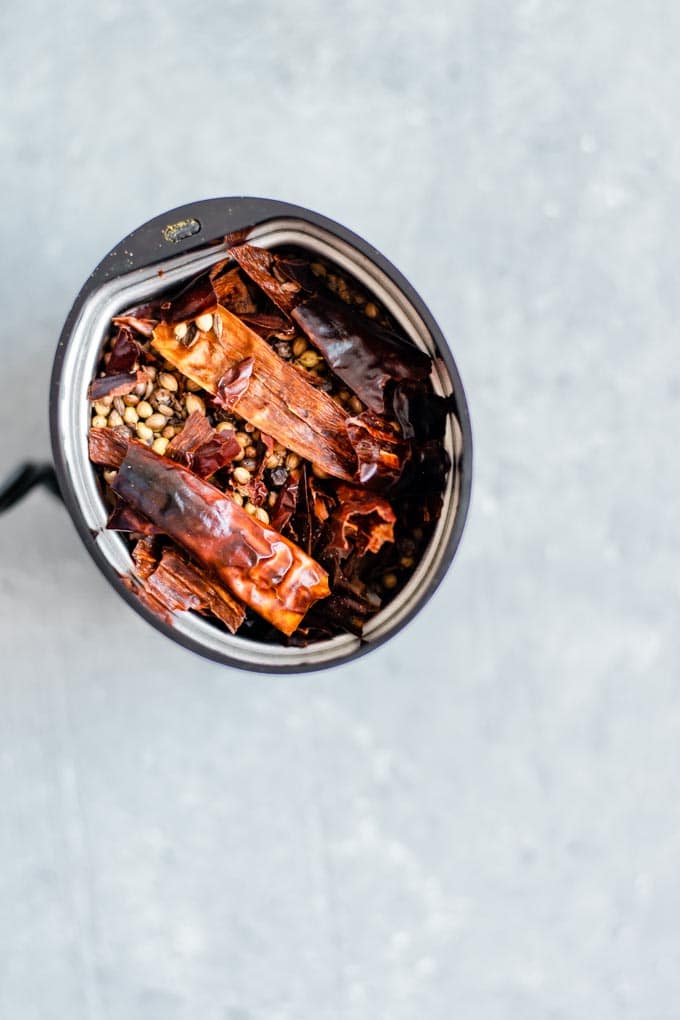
(270, 445)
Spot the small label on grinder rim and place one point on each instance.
(175, 232)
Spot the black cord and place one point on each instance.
(25, 478)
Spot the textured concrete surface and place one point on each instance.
(481, 820)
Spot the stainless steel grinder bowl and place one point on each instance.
(161, 254)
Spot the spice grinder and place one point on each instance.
(161, 255)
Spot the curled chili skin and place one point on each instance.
(270, 574)
(124, 352)
(199, 447)
(215, 454)
(212, 288)
(142, 326)
(286, 502)
(107, 446)
(234, 383)
(363, 522)
(118, 385)
(258, 264)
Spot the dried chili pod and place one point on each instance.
(107, 446)
(361, 352)
(321, 503)
(218, 451)
(209, 289)
(200, 447)
(233, 384)
(269, 573)
(364, 354)
(277, 399)
(181, 585)
(340, 612)
(145, 556)
(116, 385)
(152, 603)
(286, 502)
(193, 300)
(362, 522)
(124, 353)
(124, 518)
(258, 264)
(143, 326)
(297, 270)
(421, 413)
(196, 431)
(381, 452)
(267, 325)
(231, 290)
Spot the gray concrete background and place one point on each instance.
(480, 820)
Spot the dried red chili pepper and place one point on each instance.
(116, 385)
(107, 446)
(145, 557)
(233, 384)
(230, 289)
(218, 451)
(341, 611)
(365, 355)
(181, 585)
(258, 264)
(210, 289)
(277, 400)
(196, 431)
(146, 597)
(124, 518)
(261, 567)
(124, 353)
(361, 523)
(361, 352)
(380, 450)
(320, 502)
(200, 447)
(267, 325)
(143, 326)
(286, 502)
